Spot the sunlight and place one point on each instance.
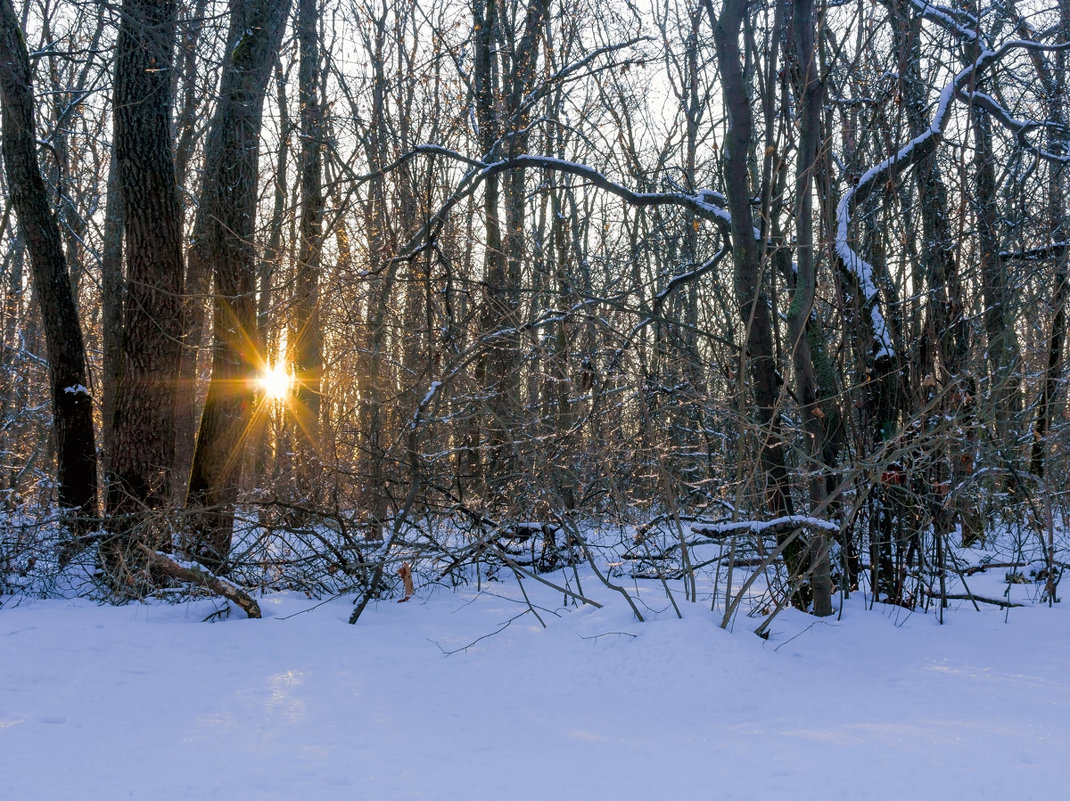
(275, 381)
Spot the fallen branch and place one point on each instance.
(974, 599)
(171, 568)
(974, 569)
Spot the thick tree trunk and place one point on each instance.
(72, 407)
(227, 218)
(752, 303)
(143, 451)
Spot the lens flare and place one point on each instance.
(275, 381)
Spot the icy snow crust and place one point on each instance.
(462, 693)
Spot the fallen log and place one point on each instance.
(974, 599)
(201, 578)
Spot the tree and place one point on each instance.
(72, 407)
(143, 427)
(307, 339)
(223, 237)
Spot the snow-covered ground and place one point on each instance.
(465, 695)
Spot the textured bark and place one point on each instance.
(307, 341)
(143, 426)
(225, 228)
(751, 301)
(113, 289)
(72, 407)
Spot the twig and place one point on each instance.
(503, 627)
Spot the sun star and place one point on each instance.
(275, 382)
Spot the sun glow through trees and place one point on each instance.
(275, 381)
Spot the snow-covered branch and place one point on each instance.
(778, 524)
(888, 172)
(704, 203)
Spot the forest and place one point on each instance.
(319, 295)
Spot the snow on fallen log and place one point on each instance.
(202, 578)
(777, 524)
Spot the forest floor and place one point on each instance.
(465, 694)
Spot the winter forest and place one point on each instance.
(588, 329)
(300, 293)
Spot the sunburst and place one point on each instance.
(275, 381)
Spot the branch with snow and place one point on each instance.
(201, 578)
(777, 524)
(704, 203)
(888, 172)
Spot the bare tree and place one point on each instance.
(143, 440)
(72, 408)
(224, 238)
(307, 341)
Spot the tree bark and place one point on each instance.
(810, 95)
(143, 447)
(307, 344)
(227, 218)
(751, 301)
(72, 407)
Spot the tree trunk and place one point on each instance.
(143, 451)
(752, 303)
(228, 215)
(72, 407)
(307, 343)
(810, 94)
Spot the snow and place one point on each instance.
(949, 19)
(758, 527)
(147, 701)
